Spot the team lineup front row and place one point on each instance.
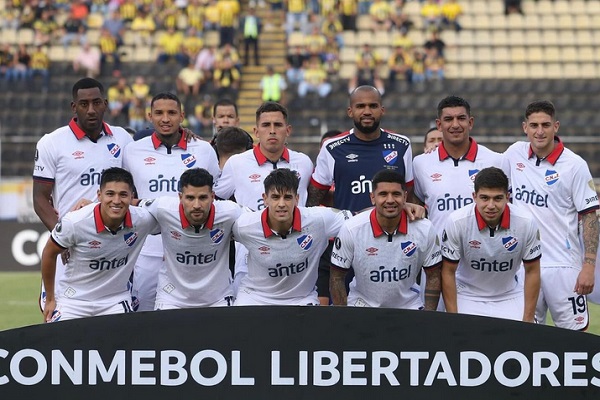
(481, 253)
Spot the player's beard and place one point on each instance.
(367, 130)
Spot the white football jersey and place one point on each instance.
(243, 176)
(490, 258)
(100, 261)
(554, 190)
(385, 265)
(196, 268)
(282, 270)
(72, 162)
(156, 170)
(445, 184)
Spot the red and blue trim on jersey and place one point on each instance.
(80, 134)
(552, 158)
(261, 158)
(101, 226)
(470, 156)
(378, 231)
(268, 232)
(156, 142)
(210, 221)
(504, 219)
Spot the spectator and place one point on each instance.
(127, 11)
(119, 99)
(192, 44)
(79, 10)
(402, 40)
(367, 74)
(418, 66)
(431, 13)
(433, 138)
(251, 26)
(137, 114)
(348, 14)
(296, 16)
(272, 86)
(211, 16)
(332, 28)
(331, 65)
(402, 22)
(205, 61)
(434, 65)
(116, 26)
(195, 14)
(364, 6)
(45, 29)
(22, 63)
(226, 77)
(381, 15)
(512, 7)
(201, 119)
(435, 42)
(143, 26)
(451, 10)
(140, 89)
(73, 31)
(295, 65)
(228, 20)
(400, 64)
(40, 65)
(7, 61)
(315, 43)
(109, 51)
(315, 80)
(170, 46)
(88, 61)
(188, 81)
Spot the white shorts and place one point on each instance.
(568, 309)
(248, 297)
(171, 305)
(508, 308)
(145, 280)
(67, 309)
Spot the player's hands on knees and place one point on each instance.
(80, 204)
(414, 211)
(585, 282)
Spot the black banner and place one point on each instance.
(23, 244)
(298, 353)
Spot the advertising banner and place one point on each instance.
(298, 353)
(22, 245)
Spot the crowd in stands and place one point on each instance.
(175, 30)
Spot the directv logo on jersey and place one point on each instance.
(216, 235)
(130, 238)
(189, 160)
(408, 248)
(305, 241)
(510, 243)
(390, 157)
(473, 174)
(114, 149)
(551, 177)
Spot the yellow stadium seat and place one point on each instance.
(486, 70)
(520, 71)
(588, 70)
(477, 7)
(562, 7)
(466, 71)
(584, 37)
(25, 36)
(552, 54)
(566, 21)
(483, 54)
(583, 21)
(518, 54)
(554, 70)
(296, 39)
(515, 21)
(571, 70)
(569, 54)
(500, 38)
(95, 21)
(93, 36)
(347, 55)
(8, 36)
(586, 54)
(56, 53)
(501, 54)
(211, 38)
(347, 70)
(503, 71)
(466, 54)
(483, 21)
(535, 54)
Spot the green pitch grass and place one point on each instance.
(19, 302)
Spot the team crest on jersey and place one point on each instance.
(94, 244)
(372, 251)
(254, 178)
(77, 155)
(390, 156)
(114, 150)
(130, 238)
(475, 244)
(408, 248)
(551, 177)
(149, 161)
(264, 250)
(510, 243)
(305, 241)
(473, 174)
(437, 177)
(520, 166)
(175, 235)
(216, 235)
(188, 160)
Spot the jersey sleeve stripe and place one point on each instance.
(588, 210)
(532, 260)
(318, 185)
(58, 244)
(449, 260)
(43, 180)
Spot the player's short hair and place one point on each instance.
(86, 83)
(329, 134)
(433, 128)
(271, 106)
(388, 176)
(491, 178)
(196, 177)
(116, 174)
(451, 102)
(544, 106)
(364, 88)
(224, 102)
(282, 180)
(166, 96)
(233, 140)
